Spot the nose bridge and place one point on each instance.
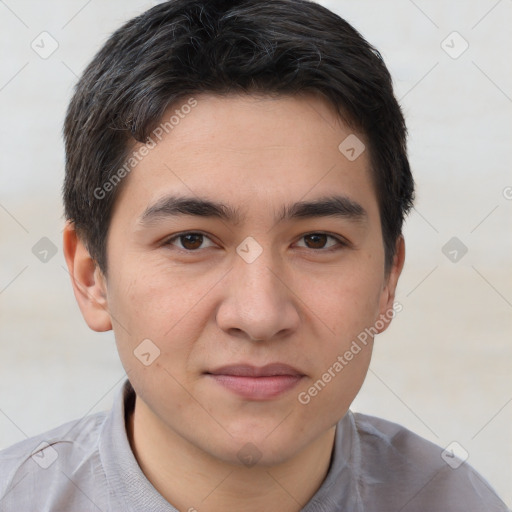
(258, 304)
(255, 271)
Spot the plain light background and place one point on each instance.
(443, 369)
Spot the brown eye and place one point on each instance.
(192, 241)
(189, 241)
(316, 241)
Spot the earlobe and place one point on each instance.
(89, 284)
(388, 293)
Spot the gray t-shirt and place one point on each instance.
(377, 466)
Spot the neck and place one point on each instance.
(194, 481)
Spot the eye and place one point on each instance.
(188, 241)
(194, 241)
(318, 241)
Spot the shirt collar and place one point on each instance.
(129, 488)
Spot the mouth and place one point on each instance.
(257, 383)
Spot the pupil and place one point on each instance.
(188, 244)
(318, 240)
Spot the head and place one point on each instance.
(236, 183)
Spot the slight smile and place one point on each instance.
(257, 383)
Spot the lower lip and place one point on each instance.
(258, 388)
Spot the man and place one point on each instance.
(236, 183)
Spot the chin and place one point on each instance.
(265, 445)
(255, 454)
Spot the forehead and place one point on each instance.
(253, 150)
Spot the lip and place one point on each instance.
(257, 383)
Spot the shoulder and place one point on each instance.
(51, 463)
(402, 468)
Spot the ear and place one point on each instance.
(89, 284)
(387, 297)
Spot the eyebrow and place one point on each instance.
(173, 206)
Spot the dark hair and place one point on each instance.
(185, 47)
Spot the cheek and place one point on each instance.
(331, 391)
(346, 300)
(154, 295)
(156, 304)
(345, 309)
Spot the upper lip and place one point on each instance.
(247, 370)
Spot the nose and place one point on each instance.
(258, 303)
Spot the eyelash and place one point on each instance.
(341, 243)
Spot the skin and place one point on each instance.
(296, 303)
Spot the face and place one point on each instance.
(251, 292)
